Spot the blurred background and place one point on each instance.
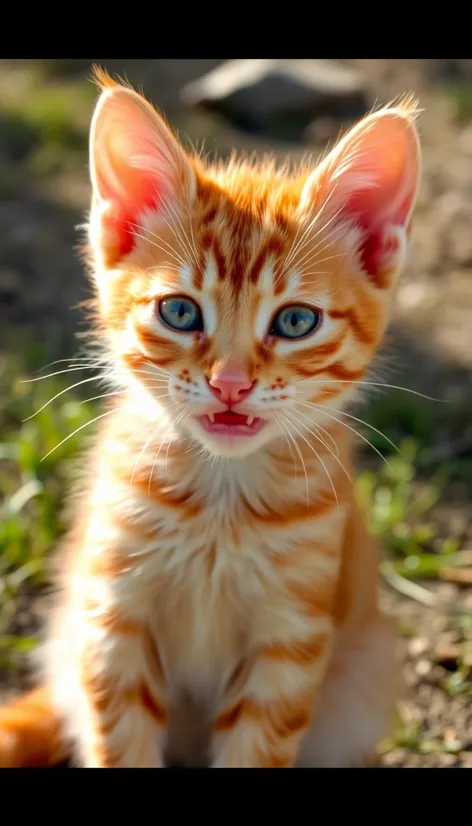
(419, 504)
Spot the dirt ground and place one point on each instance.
(431, 338)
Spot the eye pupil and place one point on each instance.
(295, 322)
(180, 313)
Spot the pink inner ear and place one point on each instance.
(366, 211)
(123, 217)
(374, 172)
(130, 188)
(128, 191)
(136, 165)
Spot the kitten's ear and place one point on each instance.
(370, 180)
(135, 164)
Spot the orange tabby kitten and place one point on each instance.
(217, 602)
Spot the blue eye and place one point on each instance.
(181, 313)
(295, 321)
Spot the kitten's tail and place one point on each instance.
(31, 732)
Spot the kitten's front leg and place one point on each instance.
(265, 727)
(124, 719)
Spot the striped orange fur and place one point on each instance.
(217, 594)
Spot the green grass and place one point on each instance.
(400, 511)
(31, 490)
(461, 95)
(44, 125)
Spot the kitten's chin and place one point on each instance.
(232, 443)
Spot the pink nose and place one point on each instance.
(230, 387)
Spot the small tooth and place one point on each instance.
(250, 420)
(211, 416)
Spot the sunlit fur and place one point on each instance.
(217, 599)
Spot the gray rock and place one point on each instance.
(279, 97)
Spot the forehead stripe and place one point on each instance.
(272, 249)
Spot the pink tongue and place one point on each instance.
(228, 417)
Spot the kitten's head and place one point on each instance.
(239, 296)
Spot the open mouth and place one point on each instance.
(229, 423)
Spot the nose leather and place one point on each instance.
(230, 386)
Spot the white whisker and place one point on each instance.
(66, 390)
(361, 421)
(85, 360)
(102, 396)
(160, 369)
(312, 256)
(323, 430)
(194, 246)
(296, 247)
(191, 251)
(102, 415)
(168, 432)
(321, 410)
(181, 417)
(146, 444)
(170, 249)
(314, 263)
(57, 373)
(320, 439)
(284, 434)
(172, 254)
(370, 384)
(184, 242)
(297, 448)
(288, 414)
